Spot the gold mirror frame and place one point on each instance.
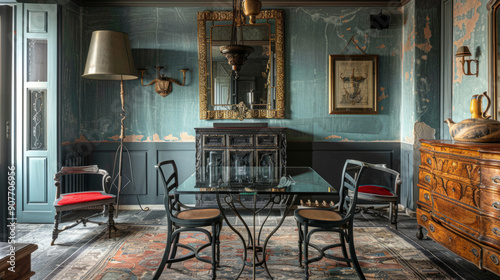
(203, 41)
(493, 80)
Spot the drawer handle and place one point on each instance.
(424, 218)
(494, 259)
(475, 252)
(496, 231)
(496, 180)
(429, 161)
(427, 178)
(431, 228)
(496, 205)
(427, 197)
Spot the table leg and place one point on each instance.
(244, 258)
(252, 233)
(289, 205)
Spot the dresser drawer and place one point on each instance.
(423, 217)
(426, 160)
(457, 215)
(490, 178)
(460, 191)
(490, 203)
(455, 243)
(491, 228)
(267, 140)
(424, 195)
(491, 260)
(425, 177)
(457, 168)
(240, 140)
(214, 140)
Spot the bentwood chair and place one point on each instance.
(189, 220)
(329, 220)
(82, 200)
(379, 189)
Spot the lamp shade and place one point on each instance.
(463, 51)
(109, 57)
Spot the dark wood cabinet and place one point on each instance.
(240, 149)
(459, 199)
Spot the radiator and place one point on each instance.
(74, 182)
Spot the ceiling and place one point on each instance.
(227, 3)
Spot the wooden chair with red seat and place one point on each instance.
(379, 190)
(83, 200)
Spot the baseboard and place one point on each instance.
(144, 206)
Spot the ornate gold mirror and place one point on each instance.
(258, 89)
(494, 54)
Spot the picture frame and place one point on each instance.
(353, 84)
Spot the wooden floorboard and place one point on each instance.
(48, 258)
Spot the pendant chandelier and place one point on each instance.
(236, 52)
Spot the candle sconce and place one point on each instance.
(163, 84)
(462, 53)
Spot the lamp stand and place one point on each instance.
(119, 155)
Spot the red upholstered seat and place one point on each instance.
(74, 198)
(374, 189)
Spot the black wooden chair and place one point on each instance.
(379, 190)
(189, 220)
(82, 200)
(329, 220)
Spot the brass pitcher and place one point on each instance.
(476, 106)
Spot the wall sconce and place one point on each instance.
(163, 84)
(462, 52)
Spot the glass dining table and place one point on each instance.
(267, 187)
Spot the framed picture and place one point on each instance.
(353, 83)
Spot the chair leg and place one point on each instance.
(395, 214)
(166, 254)
(305, 244)
(111, 221)
(219, 229)
(344, 249)
(55, 231)
(301, 238)
(214, 253)
(352, 252)
(174, 249)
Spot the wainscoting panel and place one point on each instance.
(327, 158)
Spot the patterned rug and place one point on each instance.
(135, 251)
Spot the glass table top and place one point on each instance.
(250, 180)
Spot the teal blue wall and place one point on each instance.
(421, 66)
(168, 37)
(70, 74)
(470, 28)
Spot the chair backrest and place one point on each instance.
(353, 169)
(380, 174)
(88, 169)
(171, 200)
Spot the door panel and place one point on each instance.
(36, 119)
(37, 182)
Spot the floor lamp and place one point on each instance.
(110, 58)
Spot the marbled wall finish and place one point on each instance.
(408, 68)
(421, 71)
(168, 37)
(470, 28)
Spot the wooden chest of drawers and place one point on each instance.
(459, 199)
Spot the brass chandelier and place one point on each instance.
(236, 52)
